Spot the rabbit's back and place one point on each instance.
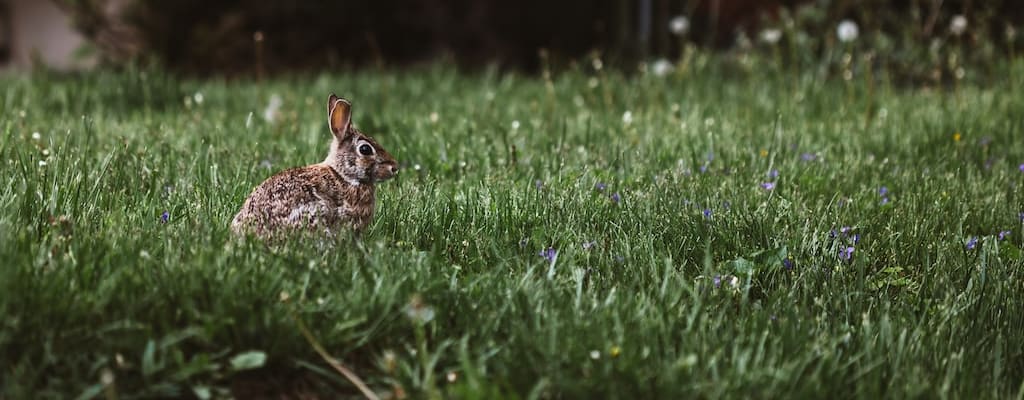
(308, 198)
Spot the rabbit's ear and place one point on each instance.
(339, 115)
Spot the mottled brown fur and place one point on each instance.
(338, 193)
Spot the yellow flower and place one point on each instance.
(764, 153)
(615, 351)
(956, 137)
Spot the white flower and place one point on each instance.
(627, 117)
(36, 136)
(515, 124)
(847, 31)
(771, 36)
(958, 25)
(594, 354)
(42, 163)
(198, 97)
(661, 67)
(270, 113)
(679, 25)
(434, 117)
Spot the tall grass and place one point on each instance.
(715, 232)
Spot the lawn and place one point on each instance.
(726, 230)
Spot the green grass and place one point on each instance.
(182, 308)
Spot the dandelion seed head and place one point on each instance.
(661, 67)
(847, 31)
(679, 25)
(771, 35)
(958, 25)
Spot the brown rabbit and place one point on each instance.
(337, 193)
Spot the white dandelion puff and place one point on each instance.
(771, 36)
(847, 31)
(679, 25)
(958, 25)
(661, 67)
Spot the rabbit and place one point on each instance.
(335, 194)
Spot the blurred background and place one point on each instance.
(245, 38)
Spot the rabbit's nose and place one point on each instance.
(394, 169)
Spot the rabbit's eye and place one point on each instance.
(366, 149)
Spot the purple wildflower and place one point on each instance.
(884, 201)
(808, 157)
(768, 186)
(1021, 216)
(1004, 234)
(615, 197)
(787, 263)
(589, 245)
(549, 254)
(703, 168)
(717, 281)
(883, 191)
(856, 238)
(774, 173)
(1021, 168)
(600, 186)
(832, 234)
(707, 213)
(539, 184)
(846, 253)
(972, 243)
(845, 230)
(166, 216)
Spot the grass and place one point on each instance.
(698, 282)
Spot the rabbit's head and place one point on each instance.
(356, 157)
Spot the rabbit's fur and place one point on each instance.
(337, 193)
